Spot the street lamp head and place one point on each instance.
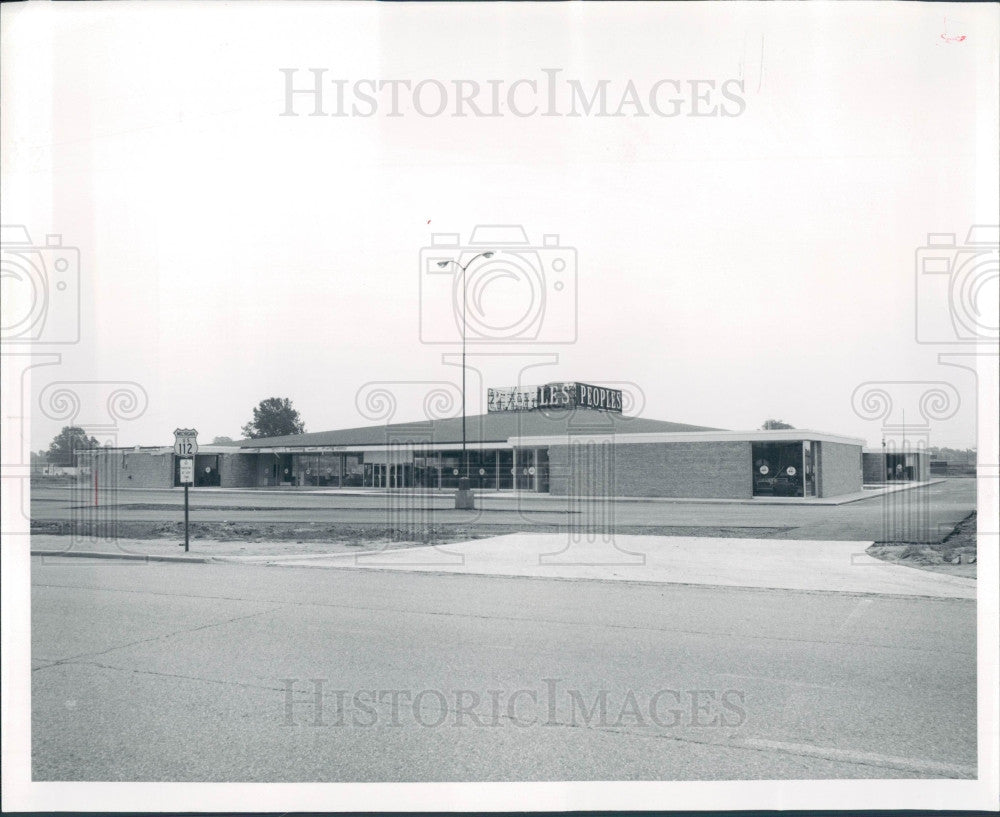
(488, 254)
(443, 264)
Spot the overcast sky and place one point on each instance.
(734, 267)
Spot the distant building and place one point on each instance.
(896, 466)
(47, 469)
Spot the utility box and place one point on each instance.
(463, 497)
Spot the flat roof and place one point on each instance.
(160, 449)
(527, 429)
(494, 427)
(791, 435)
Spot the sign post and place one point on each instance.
(186, 447)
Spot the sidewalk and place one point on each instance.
(760, 563)
(868, 492)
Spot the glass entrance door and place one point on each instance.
(374, 475)
(809, 468)
(525, 469)
(777, 469)
(505, 469)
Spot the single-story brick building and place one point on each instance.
(582, 447)
(893, 465)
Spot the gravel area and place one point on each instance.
(202, 546)
(306, 534)
(956, 555)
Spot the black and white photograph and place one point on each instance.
(495, 406)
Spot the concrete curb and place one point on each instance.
(487, 495)
(484, 495)
(134, 557)
(644, 582)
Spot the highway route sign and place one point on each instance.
(185, 442)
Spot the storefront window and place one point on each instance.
(354, 471)
(488, 469)
(505, 469)
(808, 468)
(777, 469)
(451, 468)
(532, 469)
(542, 463)
(317, 470)
(206, 471)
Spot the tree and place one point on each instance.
(956, 455)
(775, 425)
(67, 442)
(223, 440)
(274, 417)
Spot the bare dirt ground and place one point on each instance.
(361, 534)
(956, 555)
(201, 546)
(252, 524)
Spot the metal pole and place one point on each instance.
(465, 456)
(185, 518)
(885, 464)
(464, 471)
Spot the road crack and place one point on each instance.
(76, 659)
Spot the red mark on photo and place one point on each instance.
(951, 38)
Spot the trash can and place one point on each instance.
(463, 497)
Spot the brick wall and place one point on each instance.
(839, 469)
(144, 469)
(132, 469)
(238, 470)
(923, 466)
(717, 470)
(872, 468)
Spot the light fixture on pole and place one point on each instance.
(443, 265)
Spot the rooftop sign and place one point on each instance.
(554, 395)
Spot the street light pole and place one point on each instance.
(465, 306)
(465, 277)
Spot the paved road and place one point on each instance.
(182, 672)
(922, 514)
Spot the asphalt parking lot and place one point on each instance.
(925, 514)
(251, 672)
(208, 672)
